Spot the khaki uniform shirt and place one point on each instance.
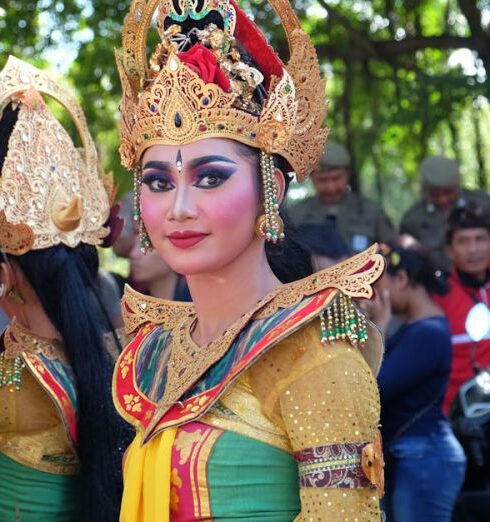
(359, 221)
(427, 224)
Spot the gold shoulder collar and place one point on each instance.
(138, 309)
(19, 340)
(354, 277)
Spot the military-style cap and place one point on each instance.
(438, 171)
(335, 155)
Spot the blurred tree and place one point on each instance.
(408, 78)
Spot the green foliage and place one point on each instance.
(395, 96)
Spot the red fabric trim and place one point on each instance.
(138, 409)
(255, 43)
(56, 391)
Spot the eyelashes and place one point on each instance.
(209, 178)
(157, 182)
(205, 178)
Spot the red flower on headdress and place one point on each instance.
(204, 63)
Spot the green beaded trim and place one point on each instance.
(11, 372)
(343, 322)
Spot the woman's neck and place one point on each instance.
(33, 318)
(421, 306)
(163, 287)
(222, 297)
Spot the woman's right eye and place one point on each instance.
(157, 183)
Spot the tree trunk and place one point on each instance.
(481, 174)
(349, 131)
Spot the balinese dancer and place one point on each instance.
(258, 401)
(59, 433)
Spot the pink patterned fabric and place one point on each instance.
(189, 492)
(332, 466)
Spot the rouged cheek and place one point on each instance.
(153, 210)
(232, 211)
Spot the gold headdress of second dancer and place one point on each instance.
(51, 192)
(213, 74)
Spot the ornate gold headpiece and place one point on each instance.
(169, 100)
(50, 192)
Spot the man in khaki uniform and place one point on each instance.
(441, 193)
(358, 220)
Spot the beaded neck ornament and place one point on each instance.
(50, 192)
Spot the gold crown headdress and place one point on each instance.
(167, 102)
(50, 192)
(196, 85)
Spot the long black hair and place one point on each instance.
(65, 281)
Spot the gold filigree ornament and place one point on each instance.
(174, 106)
(50, 192)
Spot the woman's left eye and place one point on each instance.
(212, 180)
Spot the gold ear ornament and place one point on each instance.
(144, 238)
(14, 296)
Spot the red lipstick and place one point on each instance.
(186, 239)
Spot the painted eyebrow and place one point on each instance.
(193, 164)
(160, 165)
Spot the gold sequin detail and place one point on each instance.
(32, 432)
(321, 397)
(239, 410)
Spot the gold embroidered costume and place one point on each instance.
(277, 418)
(271, 386)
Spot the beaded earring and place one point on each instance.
(269, 225)
(144, 238)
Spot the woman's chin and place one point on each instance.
(207, 257)
(189, 261)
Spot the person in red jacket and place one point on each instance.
(468, 245)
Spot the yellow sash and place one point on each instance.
(147, 474)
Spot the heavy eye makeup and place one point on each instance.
(158, 181)
(212, 176)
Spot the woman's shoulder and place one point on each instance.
(327, 296)
(353, 277)
(433, 332)
(436, 325)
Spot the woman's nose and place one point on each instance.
(183, 206)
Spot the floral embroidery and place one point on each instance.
(184, 443)
(125, 364)
(132, 402)
(197, 403)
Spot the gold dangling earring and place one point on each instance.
(144, 238)
(15, 297)
(269, 225)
